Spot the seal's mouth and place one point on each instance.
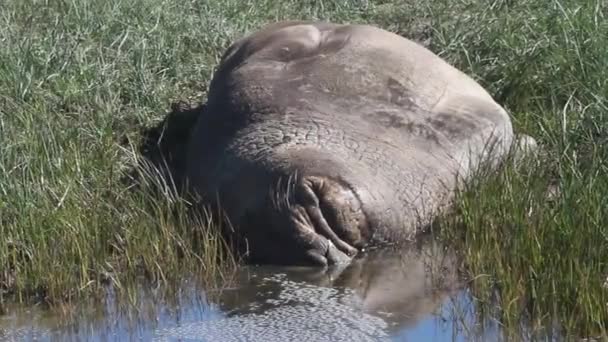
(314, 220)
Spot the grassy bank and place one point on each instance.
(534, 238)
(80, 79)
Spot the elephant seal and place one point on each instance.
(320, 139)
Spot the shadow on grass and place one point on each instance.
(163, 146)
(159, 172)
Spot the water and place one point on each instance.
(410, 294)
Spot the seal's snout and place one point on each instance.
(339, 210)
(314, 220)
(328, 220)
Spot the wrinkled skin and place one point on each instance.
(320, 139)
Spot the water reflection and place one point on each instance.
(386, 294)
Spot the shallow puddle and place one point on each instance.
(411, 294)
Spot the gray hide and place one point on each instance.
(320, 139)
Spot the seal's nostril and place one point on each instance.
(316, 258)
(335, 256)
(342, 210)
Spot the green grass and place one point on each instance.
(79, 81)
(547, 63)
(79, 78)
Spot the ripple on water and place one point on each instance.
(23, 334)
(301, 312)
(383, 295)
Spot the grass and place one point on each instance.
(536, 235)
(80, 79)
